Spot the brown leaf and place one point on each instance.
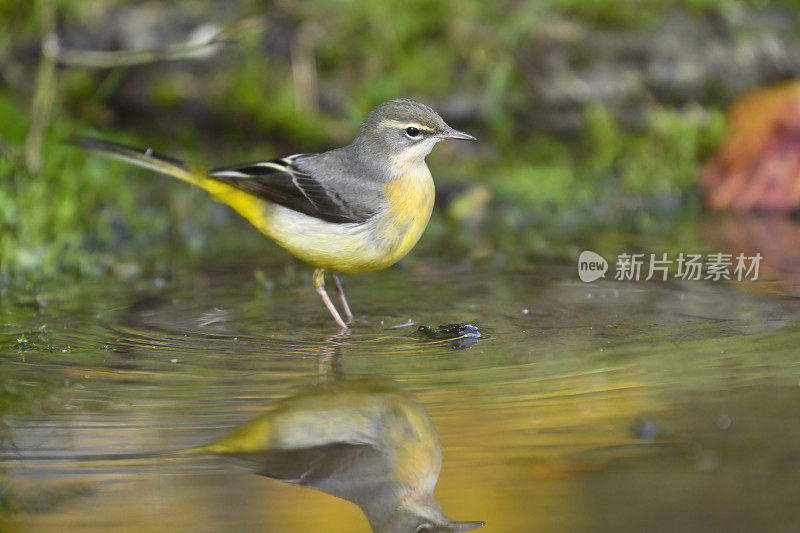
(758, 167)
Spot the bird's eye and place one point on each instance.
(412, 132)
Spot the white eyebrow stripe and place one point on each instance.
(390, 123)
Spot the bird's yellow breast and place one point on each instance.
(410, 201)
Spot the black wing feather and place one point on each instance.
(280, 181)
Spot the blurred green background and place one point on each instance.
(591, 116)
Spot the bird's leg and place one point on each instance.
(319, 286)
(347, 314)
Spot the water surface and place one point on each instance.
(611, 406)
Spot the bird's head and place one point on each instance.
(405, 131)
(414, 512)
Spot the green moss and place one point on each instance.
(87, 216)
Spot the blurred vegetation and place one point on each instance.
(304, 84)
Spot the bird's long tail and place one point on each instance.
(144, 158)
(246, 204)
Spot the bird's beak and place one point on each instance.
(450, 133)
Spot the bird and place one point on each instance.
(362, 440)
(352, 209)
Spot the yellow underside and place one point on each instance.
(378, 243)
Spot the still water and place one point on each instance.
(610, 406)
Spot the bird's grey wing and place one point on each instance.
(293, 183)
(336, 468)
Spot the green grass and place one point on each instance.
(87, 216)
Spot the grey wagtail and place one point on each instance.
(353, 209)
(360, 440)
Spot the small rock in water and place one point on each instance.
(458, 336)
(646, 429)
(724, 422)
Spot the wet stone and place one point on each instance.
(457, 336)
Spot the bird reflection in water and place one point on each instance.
(361, 440)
